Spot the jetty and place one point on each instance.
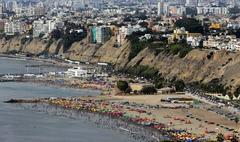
(14, 101)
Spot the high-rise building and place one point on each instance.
(13, 27)
(100, 34)
(30, 10)
(212, 10)
(1, 8)
(160, 8)
(191, 3)
(93, 35)
(163, 8)
(39, 9)
(45, 26)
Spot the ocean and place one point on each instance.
(24, 125)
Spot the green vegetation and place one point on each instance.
(237, 92)
(56, 34)
(180, 49)
(69, 35)
(212, 87)
(41, 35)
(154, 75)
(179, 85)
(234, 10)
(8, 37)
(236, 119)
(49, 43)
(136, 45)
(142, 71)
(190, 24)
(148, 89)
(191, 11)
(24, 40)
(70, 38)
(123, 86)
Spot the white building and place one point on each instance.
(191, 3)
(44, 26)
(230, 43)
(125, 31)
(13, 27)
(77, 72)
(1, 8)
(212, 10)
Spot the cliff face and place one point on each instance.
(96, 53)
(15, 44)
(198, 65)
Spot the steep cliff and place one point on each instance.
(198, 65)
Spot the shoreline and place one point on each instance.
(139, 128)
(134, 131)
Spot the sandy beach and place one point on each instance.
(171, 116)
(197, 121)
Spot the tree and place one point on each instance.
(236, 119)
(200, 44)
(159, 84)
(190, 24)
(191, 11)
(56, 34)
(230, 95)
(24, 40)
(144, 24)
(220, 137)
(237, 92)
(234, 10)
(123, 86)
(179, 85)
(41, 35)
(149, 89)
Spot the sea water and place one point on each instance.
(20, 125)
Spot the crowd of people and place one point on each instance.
(114, 115)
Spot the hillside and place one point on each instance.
(197, 66)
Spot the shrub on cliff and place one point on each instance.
(143, 71)
(70, 34)
(181, 49)
(24, 40)
(179, 85)
(137, 45)
(56, 34)
(237, 92)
